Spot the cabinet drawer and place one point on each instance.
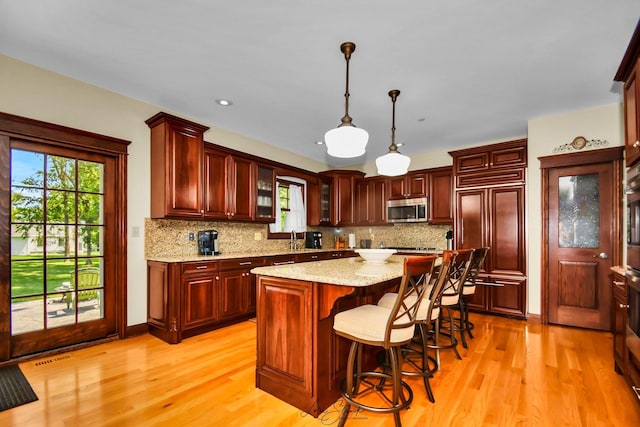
(241, 263)
(509, 176)
(472, 163)
(199, 267)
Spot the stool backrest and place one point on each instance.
(439, 279)
(413, 286)
(477, 259)
(457, 275)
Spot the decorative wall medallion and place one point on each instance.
(580, 142)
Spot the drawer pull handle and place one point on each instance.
(201, 267)
(624, 305)
(246, 263)
(618, 283)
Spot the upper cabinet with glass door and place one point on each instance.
(265, 206)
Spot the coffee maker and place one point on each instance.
(208, 242)
(313, 240)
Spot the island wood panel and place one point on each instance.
(299, 358)
(285, 340)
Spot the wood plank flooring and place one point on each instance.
(514, 373)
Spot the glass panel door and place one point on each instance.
(57, 234)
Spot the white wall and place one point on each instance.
(35, 93)
(39, 94)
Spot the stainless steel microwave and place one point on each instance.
(407, 210)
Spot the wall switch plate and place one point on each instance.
(191, 236)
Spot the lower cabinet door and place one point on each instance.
(508, 298)
(200, 301)
(234, 294)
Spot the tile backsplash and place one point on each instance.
(166, 237)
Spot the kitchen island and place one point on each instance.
(299, 358)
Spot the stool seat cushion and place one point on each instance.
(469, 290)
(389, 299)
(368, 322)
(449, 299)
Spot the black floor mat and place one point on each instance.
(14, 388)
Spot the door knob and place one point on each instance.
(602, 255)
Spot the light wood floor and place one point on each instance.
(514, 374)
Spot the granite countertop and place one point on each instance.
(352, 271)
(243, 254)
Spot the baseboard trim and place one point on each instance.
(534, 318)
(135, 330)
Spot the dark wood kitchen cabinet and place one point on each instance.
(371, 206)
(265, 193)
(628, 74)
(200, 294)
(340, 187)
(440, 195)
(182, 298)
(176, 148)
(619, 321)
(238, 287)
(489, 187)
(188, 298)
(409, 186)
(229, 182)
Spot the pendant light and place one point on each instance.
(393, 163)
(346, 140)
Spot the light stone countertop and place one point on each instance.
(243, 254)
(352, 271)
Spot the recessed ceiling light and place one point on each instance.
(399, 144)
(319, 142)
(224, 102)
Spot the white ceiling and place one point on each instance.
(469, 71)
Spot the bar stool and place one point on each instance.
(415, 355)
(451, 295)
(469, 288)
(388, 328)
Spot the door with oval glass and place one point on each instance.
(583, 230)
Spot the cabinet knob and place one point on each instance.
(624, 305)
(636, 144)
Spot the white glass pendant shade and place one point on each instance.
(393, 164)
(346, 141)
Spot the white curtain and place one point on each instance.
(296, 218)
(277, 226)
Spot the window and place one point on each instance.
(290, 212)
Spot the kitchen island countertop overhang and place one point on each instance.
(352, 271)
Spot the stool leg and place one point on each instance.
(425, 363)
(436, 340)
(454, 341)
(467, 324)
(349, 389)
(396, 376)
(462, 325)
